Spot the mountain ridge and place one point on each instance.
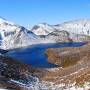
(14, 36)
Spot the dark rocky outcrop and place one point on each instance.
(11, 69)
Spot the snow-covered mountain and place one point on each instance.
(77, 26)
(12, 35)
(78, 30)
(43, 29)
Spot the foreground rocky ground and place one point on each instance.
(72, 73)
(74, 66)
(15, 75)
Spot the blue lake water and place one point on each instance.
(35, 54)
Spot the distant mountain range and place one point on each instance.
(13, 35)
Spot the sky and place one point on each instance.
(31, 12)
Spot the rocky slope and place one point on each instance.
(73, 67)
(18, 76)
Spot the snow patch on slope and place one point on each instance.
(43, 85)
(13, 36)
(42, 29)
(78, 30)
(78, 26)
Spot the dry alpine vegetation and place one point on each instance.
(73, 65)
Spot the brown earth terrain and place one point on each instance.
(73, 65)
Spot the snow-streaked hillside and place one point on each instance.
(78, 30)
(78, 26)
(12, 35)
(43, 29)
